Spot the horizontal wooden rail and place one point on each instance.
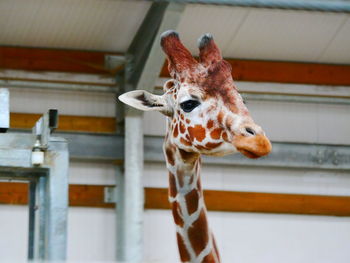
(35, 59)
(52, 60)
(227, 201)
(287, 72)
(66, 123)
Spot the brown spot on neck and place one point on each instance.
(177, 214)
(184, 255)
(170, 156)
(172, 185)
(180, 175)
(192, 199)
(209, 258)
(199, 233)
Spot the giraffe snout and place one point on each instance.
(252, 141)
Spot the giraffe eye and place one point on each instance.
(189, 105)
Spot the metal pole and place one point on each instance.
(120, 207)
(31, 225)
(57, 160)
(37, 241)
(40, 219)
(4, 110)
(130, 206)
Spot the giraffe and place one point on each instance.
(205, 115)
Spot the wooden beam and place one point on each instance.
(67, 123)
(227, 201)
(34, 59)
(13, 193)
(287, 72)
(52, 60)
(88, 196)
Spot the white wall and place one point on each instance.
(242, 237)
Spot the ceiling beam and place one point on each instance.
(287, 72)
(40, 59)
(145, 57)
(37, 60)
(339, 6)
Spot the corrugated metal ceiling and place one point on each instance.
(240, 32)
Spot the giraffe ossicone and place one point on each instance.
(205, 115)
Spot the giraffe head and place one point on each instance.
(206, 114)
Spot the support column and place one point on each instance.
(57, 160)
(4, 110)
(144, 59)
(130, 201)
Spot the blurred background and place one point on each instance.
(291, 62)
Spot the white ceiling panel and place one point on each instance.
(76, 24)
(222, 22)
(110, 25)
(284, 35)
(339, 48)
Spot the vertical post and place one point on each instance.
(57, 159)
(37, 219)
(144, 59)
(119, 206)
(31, 225)
(40, 232)
(130, 205)
(4, 110)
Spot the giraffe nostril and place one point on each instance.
(250, 131)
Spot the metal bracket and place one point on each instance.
(326, 156)
(4, 110)
(113, 62)
(110, 194)
(45, 126)
(42, 130)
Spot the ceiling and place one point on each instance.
(109, 25)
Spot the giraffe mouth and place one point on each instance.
(248, 154)
(253, 146)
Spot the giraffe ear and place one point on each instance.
(145, 101)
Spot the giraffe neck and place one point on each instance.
(195, 241)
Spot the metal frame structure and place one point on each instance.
(4, 110)
(42, 161)
(285, 155)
